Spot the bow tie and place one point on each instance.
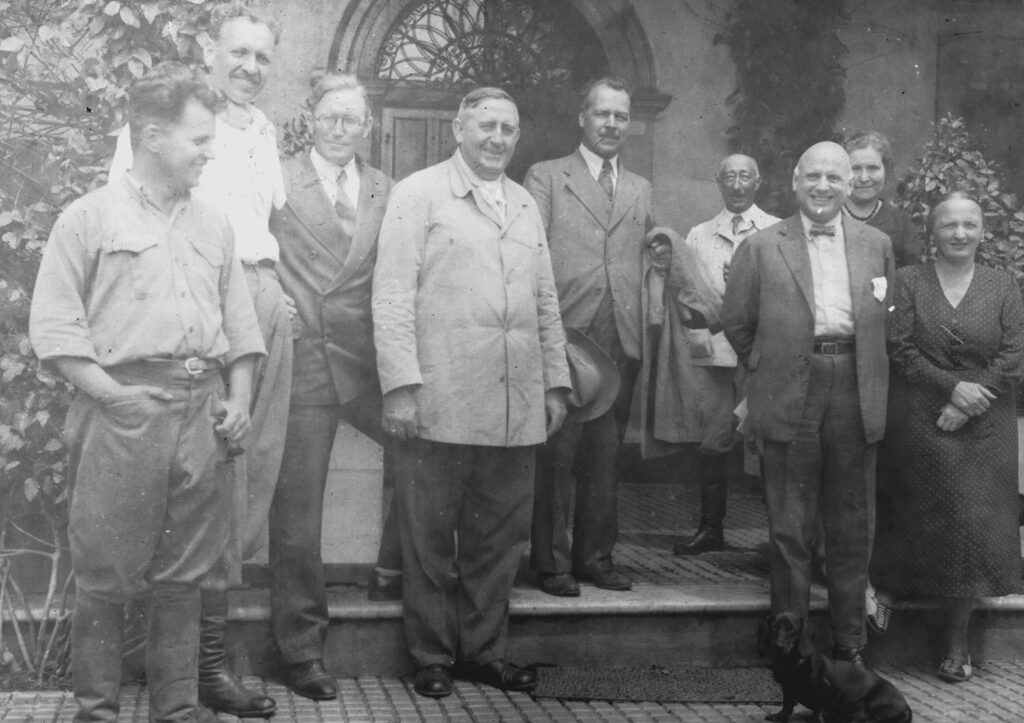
(819, 229)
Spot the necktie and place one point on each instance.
(818, 229)
(343, 207)
(604, 179)
(737, 221)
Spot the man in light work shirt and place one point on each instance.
(140, 302)
(244, 180)
(712, 358)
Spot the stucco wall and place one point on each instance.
(891, 83)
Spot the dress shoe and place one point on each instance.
(708, 538)
(953, 670)
(850, 655)
(384, 587)
(500, 674)
(310, 680)
(606, 579)
(561, 584)
(223, 691)
(433, 681)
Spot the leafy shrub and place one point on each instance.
(953, 161)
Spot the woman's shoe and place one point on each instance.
(878, 613)
(952, 670)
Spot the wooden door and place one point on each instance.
(414, 138)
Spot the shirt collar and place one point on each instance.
(594, 162)
(139, 193)
(495, 188)
(835, 223)
(329, 171)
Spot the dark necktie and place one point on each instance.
(604, 179)
(343, 207)
(818, 229)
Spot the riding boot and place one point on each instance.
(219, 688)
(713, 489)
(172, 652)
(96, 658)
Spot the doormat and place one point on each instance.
(689, 684)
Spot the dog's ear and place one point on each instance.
(805, 636)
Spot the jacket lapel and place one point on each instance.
(626, 194)
(793, 247)
(856, 265)
(582, 185)
(369, 212)
(314, 209)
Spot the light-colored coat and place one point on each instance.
(465, 310)
(334, 356)
(592, 250)
(769, 319)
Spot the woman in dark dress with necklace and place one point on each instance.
(948, 526)
(873, 165)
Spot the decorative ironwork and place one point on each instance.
(507, 43)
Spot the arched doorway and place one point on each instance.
(418, 57)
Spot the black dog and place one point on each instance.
(835, 691)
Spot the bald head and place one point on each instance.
(822, 180)
(738, 181)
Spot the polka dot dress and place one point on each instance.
(947, 520)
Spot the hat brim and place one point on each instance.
(608, 389)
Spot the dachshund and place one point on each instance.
(835, 691)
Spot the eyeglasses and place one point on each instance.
(349, 123)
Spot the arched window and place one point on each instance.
(515, 44)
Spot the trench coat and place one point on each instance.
(465, 310)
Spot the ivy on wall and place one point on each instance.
(789, 85)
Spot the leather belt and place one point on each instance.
(833, 347)
(193, 366)
(259, 264)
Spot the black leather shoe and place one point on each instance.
(561, 584)
(384, 587)
(606, 579)
(501, 674)
(433, 681)
(850, 655)
(224, 692)
(707, 539)
(310, 680)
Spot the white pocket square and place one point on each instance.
(879, 285)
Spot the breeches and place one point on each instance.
(149, 498)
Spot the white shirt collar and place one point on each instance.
(594, 163)
(836, 223)
(329, 171)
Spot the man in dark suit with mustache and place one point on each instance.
(327, 232)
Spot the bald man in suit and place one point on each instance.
(805, 310)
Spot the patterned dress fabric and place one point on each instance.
(948, 516)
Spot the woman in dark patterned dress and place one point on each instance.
(947, 525)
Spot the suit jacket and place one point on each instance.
(335, 359)
(769, 319)
(593, 252)
(465, 310)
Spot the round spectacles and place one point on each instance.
(349, 123)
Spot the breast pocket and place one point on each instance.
(208, 266)
(137, 257)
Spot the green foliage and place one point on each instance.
(65, 66)
(951, 162)
(790, 85)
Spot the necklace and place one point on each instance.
(864, 219)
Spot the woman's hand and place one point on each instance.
(972, 398)
(951, 418)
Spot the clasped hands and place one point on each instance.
(969, 399)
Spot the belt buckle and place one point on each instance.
(195, 372)
(828, 348)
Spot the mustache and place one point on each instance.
(610, 133)
(245, 75)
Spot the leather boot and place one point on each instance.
(713, 489)
(172, 651)
(96, 658)
(219, 688)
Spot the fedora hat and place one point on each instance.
(595, 378)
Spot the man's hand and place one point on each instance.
(554, 408)
(951, 418)
(123, 392)
(293, 315)
(725, 271)
(232, 420)
(972, 398)
(399, 417)
(661, 253)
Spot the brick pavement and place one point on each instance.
(996, 694)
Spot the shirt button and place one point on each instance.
(183, 294)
